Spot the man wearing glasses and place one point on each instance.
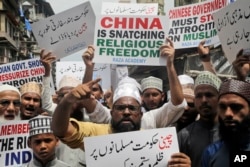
(9, 103)
(126, 114)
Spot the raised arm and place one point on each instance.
(60, 122)
(46, 59)
(205, 57)
(241, 65)
(167, 50)
(87, 57)
(171, 111)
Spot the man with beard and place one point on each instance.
(159, 117)
(30, 99)
(152, 93)
(9, 103)
(234, 128)
(194, 138)
(66, 84)
(126, 114)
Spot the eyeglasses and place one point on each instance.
(6, 103)
(131, 108)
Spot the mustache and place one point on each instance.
(205, 106)
(230, 121)
(126, 119)
(30, 108)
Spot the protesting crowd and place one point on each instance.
(210, 114)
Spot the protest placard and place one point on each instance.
(21, 72)
(130, 40)
(110, 8)
(190, 24)
(14, 151)
(232, 24)
(77, 69)
(67, 32)
(130, 149)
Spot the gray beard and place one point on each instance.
(17, 118)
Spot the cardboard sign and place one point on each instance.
(131, 149)
(66, 32)
(232, 23)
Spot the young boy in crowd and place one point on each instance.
(43, 143)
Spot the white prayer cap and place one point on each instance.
(185, 79)
(187, 92)
(9, 87)
(187, 84)
(208, 78)
(68, 81)
(129, 80)
(152, 82)
(127, 89)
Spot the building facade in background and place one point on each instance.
(16, 39)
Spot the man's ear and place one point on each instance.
(57, 141)
(111, 112)
(163, 96)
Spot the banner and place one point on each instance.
(21, 72)
(130, 149)
(66, 32)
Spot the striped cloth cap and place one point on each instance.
(40, 125)
(240, 88)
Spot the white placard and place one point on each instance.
(232, 23)
(109, 8)
(190, 24)
(130, 40)
(132, 149)
(21, 72)
(66, 32)
(77, 69)
(14, 150)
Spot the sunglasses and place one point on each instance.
(6, 103)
